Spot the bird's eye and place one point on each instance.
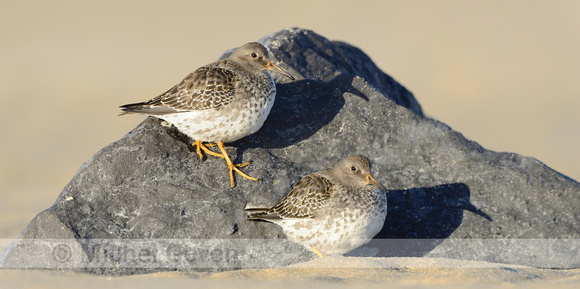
(254, 55)
(353, 168)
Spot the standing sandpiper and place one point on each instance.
(221, 102)
(334, 211)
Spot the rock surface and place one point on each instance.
(449, 197)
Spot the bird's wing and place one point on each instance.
(308, 195)
(206, 88)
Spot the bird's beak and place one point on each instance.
(271, 66)
(372, 181)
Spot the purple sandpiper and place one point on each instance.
(219, 103)
(332, 211)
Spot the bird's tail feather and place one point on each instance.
(261, 214)
(147, 108)
(133, 108)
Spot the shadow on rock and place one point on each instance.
(419, 219)
(301, 109)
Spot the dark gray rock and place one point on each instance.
(147, 203)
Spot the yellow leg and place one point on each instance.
(317, 252)
(232, 166)
(200, 146)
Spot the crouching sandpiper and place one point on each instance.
(332, 211)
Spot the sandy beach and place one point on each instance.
(347, 272)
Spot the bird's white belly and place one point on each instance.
(337, 234)
(226, 124)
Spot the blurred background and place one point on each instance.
(504, 73)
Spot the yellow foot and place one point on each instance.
(200, 146)
(232, 166)
(317, 252)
